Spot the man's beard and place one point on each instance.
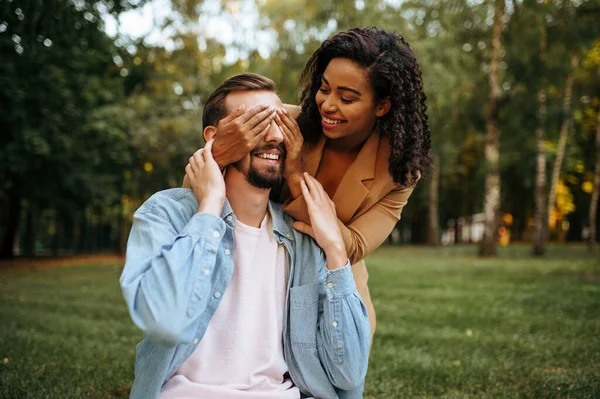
(268, 178)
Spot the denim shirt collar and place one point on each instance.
(280, 227)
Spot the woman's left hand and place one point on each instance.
(293, 140)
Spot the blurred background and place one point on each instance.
(101, 103)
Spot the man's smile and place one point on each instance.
(268, 156)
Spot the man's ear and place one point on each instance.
(383, 107)
(209, 133)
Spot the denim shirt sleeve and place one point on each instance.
(344, 332)
(165, 267)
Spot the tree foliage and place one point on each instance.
(92, 125)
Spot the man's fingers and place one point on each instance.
(207, 153)
(304, 228)
(197, 158)
(305, 192)
(186, 179)
(189, 173)
(208, 145)
(308, 196)
(191, 162)
(239, 111)
(255, 114)
(313, 185)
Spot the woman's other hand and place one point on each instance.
(241, 131)
(293, 140)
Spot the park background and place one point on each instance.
(489, 285)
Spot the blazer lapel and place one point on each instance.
(311, 156)
(351, 191)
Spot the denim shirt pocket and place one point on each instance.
(304, 315)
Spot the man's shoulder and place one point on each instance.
(170, 200)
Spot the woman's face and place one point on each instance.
(346, 102)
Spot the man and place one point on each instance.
(233, 302)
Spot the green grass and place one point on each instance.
(450, 325)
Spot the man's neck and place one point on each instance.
(247, 202)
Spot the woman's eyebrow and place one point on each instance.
(343, 87)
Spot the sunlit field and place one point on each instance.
(450, 325)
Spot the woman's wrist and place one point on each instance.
(293, 180)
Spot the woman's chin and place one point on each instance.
(332, 135)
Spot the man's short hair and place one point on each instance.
(214, 109)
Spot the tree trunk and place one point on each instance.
(491, 205)
(12, 224)
(95, 226)
(83, 232)
(541, 220)
(29, 239)
(562, 141)
(433, 232)
(59, 233)
(596, 193)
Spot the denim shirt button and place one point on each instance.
(227, 252)
(329, 285)
(216, 234)
(229, 218)
(206, 271)
(217, 294)
(334, 324)
(195, 341)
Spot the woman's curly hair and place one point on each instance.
(393, 72)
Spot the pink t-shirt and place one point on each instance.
(241, 353)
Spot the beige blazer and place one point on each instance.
(367, 201)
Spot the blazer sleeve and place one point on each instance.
(366, 233)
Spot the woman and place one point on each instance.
(362, 133)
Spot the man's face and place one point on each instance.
(263, 167)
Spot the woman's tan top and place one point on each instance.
(368, 202)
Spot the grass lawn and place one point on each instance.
(450, 325)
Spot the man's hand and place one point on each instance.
(206, 180)
(324, 222)
(238, 133)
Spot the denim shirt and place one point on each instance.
(178, 265)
